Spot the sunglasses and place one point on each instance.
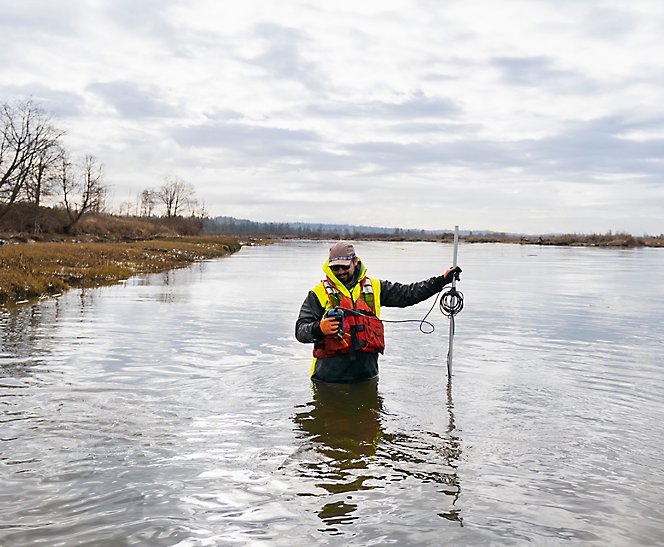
(339, 268)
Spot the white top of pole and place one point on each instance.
(456, 247)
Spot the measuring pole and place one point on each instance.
(449, 353)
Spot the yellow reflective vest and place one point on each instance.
(367, 289)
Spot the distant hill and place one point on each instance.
(242, 225)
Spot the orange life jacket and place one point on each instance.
(363, 331)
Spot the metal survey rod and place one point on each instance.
(450, 351)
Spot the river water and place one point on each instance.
(176, 409)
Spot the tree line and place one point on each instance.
(175, 195)
(34, 164)
(236, 225)
(35, 167)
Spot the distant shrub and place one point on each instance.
(30, 218)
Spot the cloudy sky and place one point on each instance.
(522, 116)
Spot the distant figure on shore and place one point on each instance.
(341, 315)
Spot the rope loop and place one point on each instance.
(451, 302)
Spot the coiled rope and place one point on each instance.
(451, 303)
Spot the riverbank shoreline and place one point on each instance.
(611, 241)
(31, 270)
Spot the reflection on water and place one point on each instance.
(27, 332)
(348, 444)
(23, 339)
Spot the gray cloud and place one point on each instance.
(224, 115)
(147, 16)
(438, 77)
(152, 21)
(433, 128)
(41, 17)
(418, 107)
(26, 27)
(541, 72)
(255, 141)
(60, 103)
(610, 24)
(387, 157)
(283, 59)
(132, 100)
(598, 147)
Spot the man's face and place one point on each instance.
(345, 273)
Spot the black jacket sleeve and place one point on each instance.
(397, 295)
(394, 295)
(307, 327)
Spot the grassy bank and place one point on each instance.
(31, 270)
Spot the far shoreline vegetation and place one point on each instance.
(230, 225)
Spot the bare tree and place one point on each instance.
(28, 141)
(65, 180)
(175, 195)
(202, 212)
(193, 208)
(126, 209)
(41, 179)
(82, 192)
(148, 202)
(199, 213)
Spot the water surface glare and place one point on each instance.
(176, 409)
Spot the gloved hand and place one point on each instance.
(329, 325)
(452, 273)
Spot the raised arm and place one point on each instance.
(398, 295)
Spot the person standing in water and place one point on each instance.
(346, 347)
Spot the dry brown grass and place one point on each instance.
(35, 269)
(105, 227)
(595, 240)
